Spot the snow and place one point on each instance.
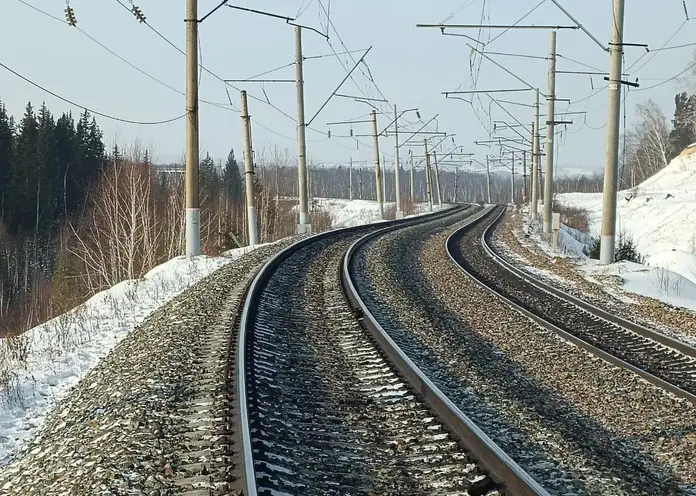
(349, 213)
(658, 283)
(660, 216)
(60, 352)
(63, 350)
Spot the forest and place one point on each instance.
(76, 218)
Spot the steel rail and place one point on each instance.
(251, 299)
(608, 357)
(502, 469)
(680, 346)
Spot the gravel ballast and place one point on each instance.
(606, 292)
(151, 418)
(576, 423)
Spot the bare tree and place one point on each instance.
(646, 145)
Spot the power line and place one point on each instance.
(655, 51)
(667, 80)
(124, 60)
(579, 63)
(226, 83)
(338, 35)
(518, 21)
(95, 112)
(673, 47)
(459, 10)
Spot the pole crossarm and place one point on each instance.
(495, 26)
(347, 122)
(470, 92)
(260, 12)
(339, 86)
(259, 80)
(361, 98)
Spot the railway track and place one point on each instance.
(661, 360)
(329, 405)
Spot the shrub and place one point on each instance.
(595, 249)
(625, 250)
(577, 218)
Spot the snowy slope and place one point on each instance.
(660, 215)
(63, 350)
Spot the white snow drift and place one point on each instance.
(660, 216)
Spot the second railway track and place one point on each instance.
(643, 351)
(323, 411)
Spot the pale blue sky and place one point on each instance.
(411, 66)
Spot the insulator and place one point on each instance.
(70, 16)
(329, 133)
(138, 13)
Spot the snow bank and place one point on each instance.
(45, 362)
(63, 350)
(658, 283)
(660, 215)
(349, 213)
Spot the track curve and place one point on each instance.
(322, 408)
(638, 349)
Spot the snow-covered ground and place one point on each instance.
(60, 352)
(660, 216)
(42, 365)
(348, 213)
(655, 282)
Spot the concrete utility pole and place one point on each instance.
(456, 170)
(249, 173)
(350, 180)
(536, 177)
(488, 179)
(397, 179)
(413, 187)
(512, 195)
(304, 226)
(524, 176)
(428, 186)
(378, 172)
(384, 179)
(193, 211)
(437, 180)
(607, 244)
(550, 130)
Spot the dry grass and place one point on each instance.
(577, 218)
(687, 152)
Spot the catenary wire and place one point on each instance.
(95, 112)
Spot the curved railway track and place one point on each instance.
(661, 360)
(327, 403)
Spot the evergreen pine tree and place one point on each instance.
(46, 152)
(21, 194)
(684, 131)
(233, 178)
(5, 155)
(65, 158)
(116, 155)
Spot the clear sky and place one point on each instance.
(410, 66)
